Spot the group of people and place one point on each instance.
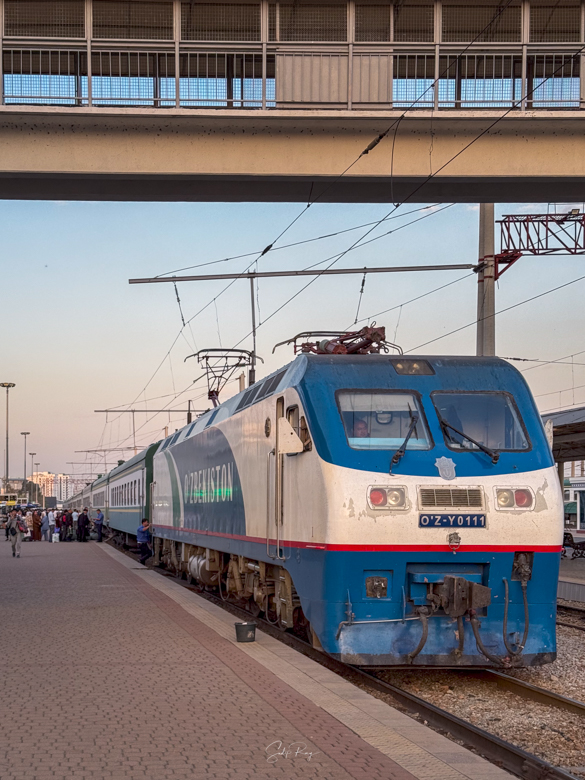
(43, 526)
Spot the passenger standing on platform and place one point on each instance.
(99, 524)
(143, 538)
(66, 523)
(75, 516)
(16, 525)
(45, 528)
(52, 523)
(82, 526)
(36, 533)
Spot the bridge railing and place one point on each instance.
(292, 75)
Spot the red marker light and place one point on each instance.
(523, 498)
(378, 497)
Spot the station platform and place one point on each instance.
(113, 671)
(572, 578)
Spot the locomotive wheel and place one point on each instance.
(253, 608)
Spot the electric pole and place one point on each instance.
(8, 386)
(486, 301)
(25, 434)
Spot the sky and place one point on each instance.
(77, 337)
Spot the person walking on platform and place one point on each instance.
(99, 524)
(16, 526)
(82, 526)
(45, 527)
(143, 538)
(36, 532)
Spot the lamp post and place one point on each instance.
(32, 454)
(38, 486)
(25, 434)
(7, 385)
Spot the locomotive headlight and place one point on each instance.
(396, 498)
(387, 497)
(514, 498)
(505, 498)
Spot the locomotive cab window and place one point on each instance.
(380, 420)
(299, 426)
(490, 419)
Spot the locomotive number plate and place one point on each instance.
(451, 521)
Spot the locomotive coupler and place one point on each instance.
(459, 595)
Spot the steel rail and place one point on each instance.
(571, 611)
(510, 757)
(528, 691)
(570, 625)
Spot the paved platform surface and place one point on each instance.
(112, 671)
(572, 569)
(572, 578)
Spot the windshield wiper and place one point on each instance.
(495, 456)
(402, 449)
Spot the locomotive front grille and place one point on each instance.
(462, 498)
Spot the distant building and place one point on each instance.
(59, 486)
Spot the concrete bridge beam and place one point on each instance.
(209, 155)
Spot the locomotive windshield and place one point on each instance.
(491, 419)
(380, 420)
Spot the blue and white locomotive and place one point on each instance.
(402, 510)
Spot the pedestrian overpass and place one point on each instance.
(261, 100)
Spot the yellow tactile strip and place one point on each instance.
(418, 749)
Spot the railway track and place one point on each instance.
(571, 617)
(510, 757)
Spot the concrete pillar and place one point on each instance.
(486, 323)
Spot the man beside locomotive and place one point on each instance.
(143, 539)
(99, 524)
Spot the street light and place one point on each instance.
(32, 454)
(38, 486)
(7, 385)
(25, 434)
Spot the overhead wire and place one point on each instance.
(298, 243)
(417, 298)
(550, 362)
(496, 314)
